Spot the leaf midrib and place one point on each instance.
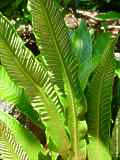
(69, 82)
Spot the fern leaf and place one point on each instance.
(17, 142)
(100, 97)
(15, 95)
(8, 147)
(28, 71)
(52, 36)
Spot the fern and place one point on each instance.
(48, 88)
(15, 141)
(52, 36)
(99, 100)
(15, 95)
(8, 147)
(28, 71)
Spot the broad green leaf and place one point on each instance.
(28, 72)
(13, 94)
(82, 48)
(115, 144)
(109, 16)
(102, 43)
(97, 150)
(16, 142)
(89, 55)
(52, 37)
(99, 98)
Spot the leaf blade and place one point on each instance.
(99, 98)
(21, 135)
(29, 72)
(52, 35)
(15, 95)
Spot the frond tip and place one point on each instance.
(52, 35)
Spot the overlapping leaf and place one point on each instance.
(97, 150)
(17, 142)
(53, 39)
(82, 47)
(52, 36)
(99, 98)
(15, 95)
(25, 69)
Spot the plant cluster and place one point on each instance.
(66, 90)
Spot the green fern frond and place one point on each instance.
(100, 97)
(9, 149)
(52, 35)
(53, 38)
(17, 142)
(15, 95)
(28, 71)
